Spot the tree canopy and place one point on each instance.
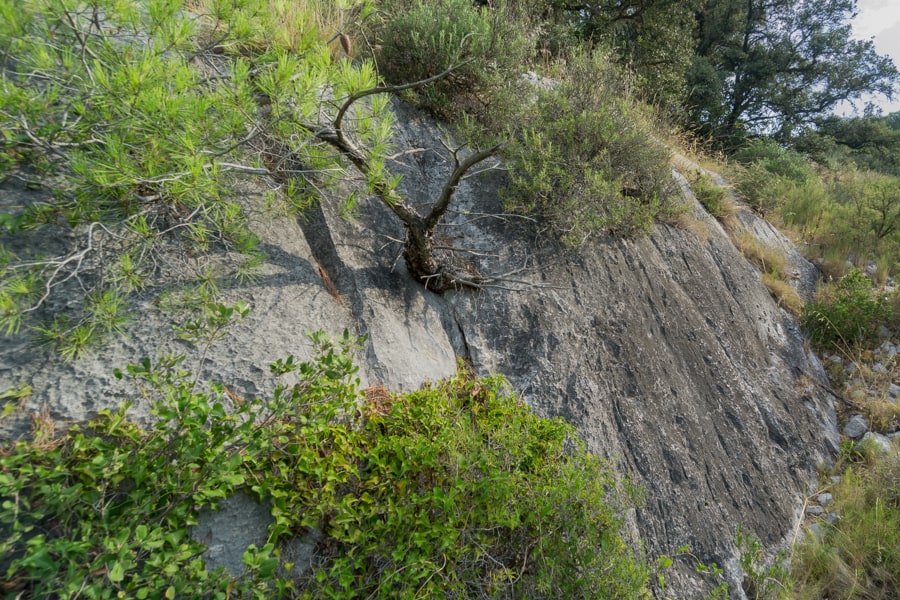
(735, 66)
(656, 38)
(772, 65)
(870, 141)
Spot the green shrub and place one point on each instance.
(421, 39)
(846, 317)
(893, 310)
(802, 206)
(870, 215)
(760, 188)
(845, 215)
(771, 156)
(850, 216)
(713, 197)
(766, 173)
(584, 156)
(764, 577)
(455, 491)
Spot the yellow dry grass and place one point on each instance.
(784, 293)
(768, 259)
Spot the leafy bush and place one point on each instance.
(771, 156)
(893, 310)
(713, 197)
(421, 39)
(847, 316)
(760, 188)
(845, 215)
(802, 206)
(585, 158)
(104, 510)
(766, 172)
(869, 207)
(763, 577)
(455, 491)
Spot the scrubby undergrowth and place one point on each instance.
(858, 556)
(455, 491)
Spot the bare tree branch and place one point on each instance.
(443, 202)
(72, 263)
(406, 153)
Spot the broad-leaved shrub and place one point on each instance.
(455, 491)
(766, 172)
(775, 159)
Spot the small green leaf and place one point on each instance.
(117, 573)
(140, 533)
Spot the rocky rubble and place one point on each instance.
(868, 379)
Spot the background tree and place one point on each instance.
(655, 38)
(769, 66)
(734, 66)
(871, 142)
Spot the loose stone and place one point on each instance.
(882, 442)
(856, 427)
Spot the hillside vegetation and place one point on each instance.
(135, 123)
(455, 491)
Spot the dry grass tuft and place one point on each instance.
(729, 219)
(833, 267)
(43, 430)
(883, 415)
(685, 221)
(768, 259)
(784, 293)
(774, 266)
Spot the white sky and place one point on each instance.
(880, 19)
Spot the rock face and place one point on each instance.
(667, 353)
